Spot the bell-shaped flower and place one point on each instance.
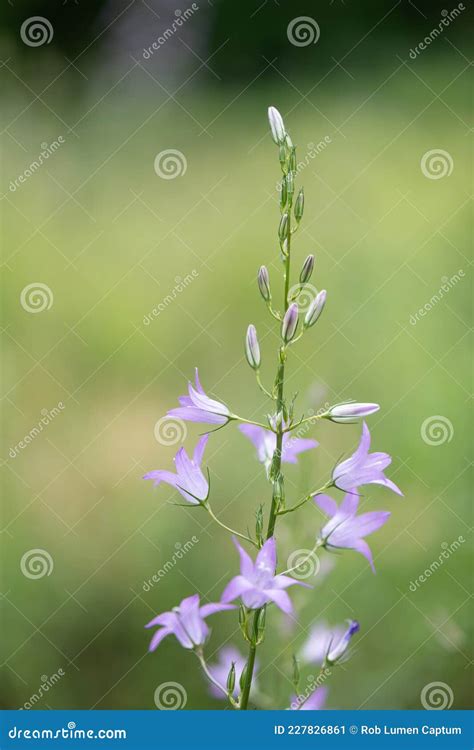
(265, 443)
(186, 622)
(317, 645)
(227, 656)
(339, 648)
(257, 583)
(189, 479)
(345, 529)
(364, 467)
(198, 407)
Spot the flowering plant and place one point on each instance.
(259, 586)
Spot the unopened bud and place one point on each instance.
(261, 625)
(292, 161)
(350, 412)
(259, 524)
(283, 227)
(243, 676)
(307, 269)
(290, 323)
(276, 125)
(290, 184)
(252, 349)
(315, 309)
(231, 680)
(296, 673)
(299, 205)
(263, 281)
(342, 645)
(283, 194)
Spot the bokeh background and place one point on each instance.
(113, 240)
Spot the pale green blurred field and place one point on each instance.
(384, 236)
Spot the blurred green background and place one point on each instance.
(111, 239)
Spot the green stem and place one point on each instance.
(276, 468)
(305, 499)
(227, 528)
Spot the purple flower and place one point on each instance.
(220, 670)
(314, 702)
(186, 622)
(340, 647)
(189, 479)
(197, 407)
(290, 323)
(351, 412)
(265, 443)
(364, 467)
(345, 528)
(257, 583)
(319, 641)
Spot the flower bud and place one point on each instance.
(290, 184)
(283, 194)
(263, 281)
(231, 680)
(259, 525)
(261, 625)
(296, 673)
(292, 161)
(315, 309)
(252, 349)
(341, 646)
(299, 205)
(290, 323)
(350, 412)
(307, 269)
(243, 676)
(283, 227)
(276, 125)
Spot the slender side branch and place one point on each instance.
(206, 505)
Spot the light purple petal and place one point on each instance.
(199, 387)
(292, 447)
(281, 599)
(327, 504)
(361, 546)
(316, 700)
(158, 637)
(254, 598)
(389, 484)
(201, 401)
(357, 458)
(349, 504)
(246, 562)
(199, 450)
(160, 475)
(367, 523)
(210, 609)
(235, 588)
(193, 414)
(166, 619)
(266, 558)
(282, 582)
